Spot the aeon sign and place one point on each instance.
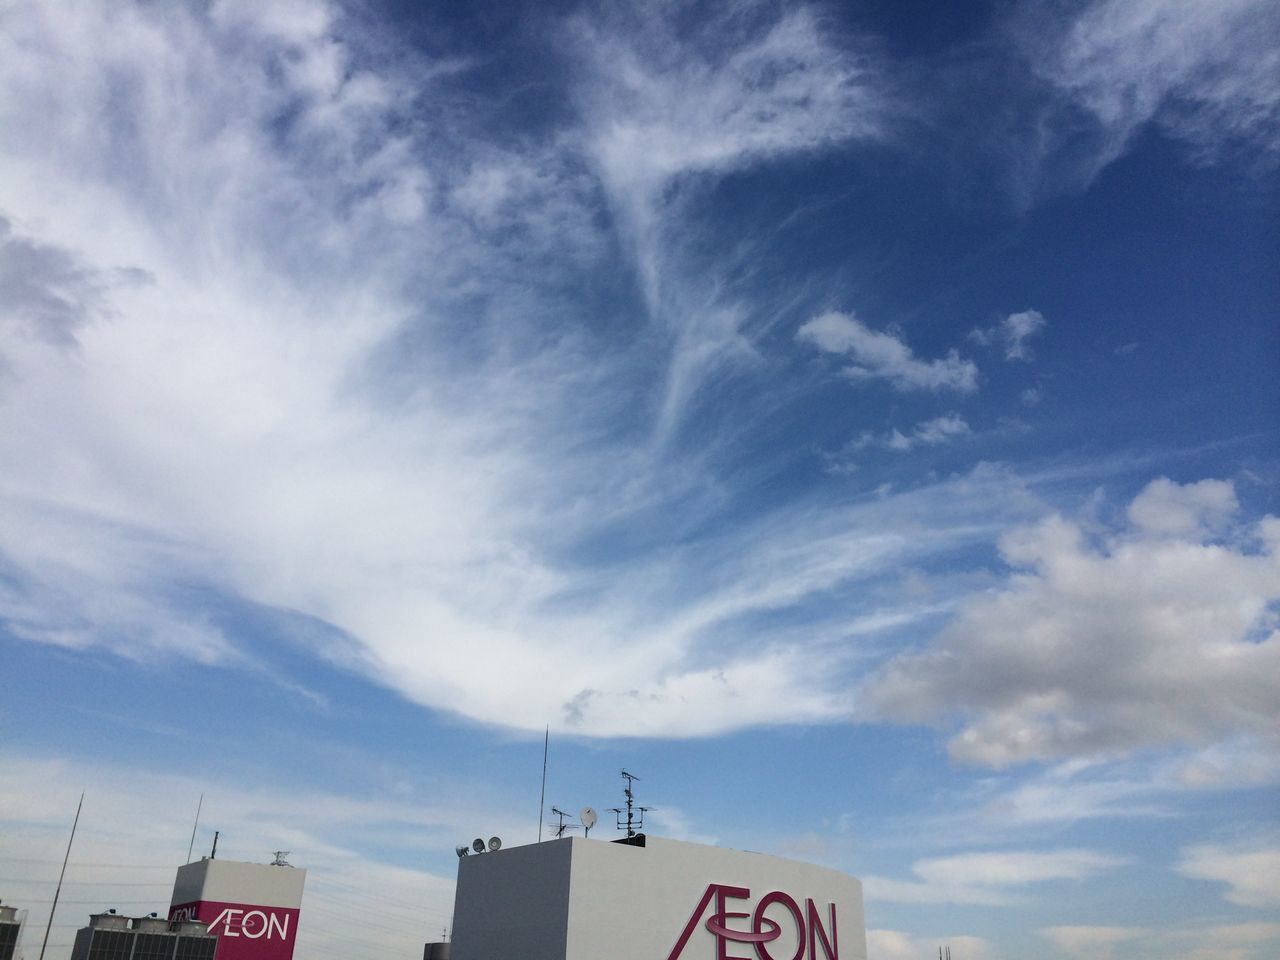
(245, 931)
(775, 914)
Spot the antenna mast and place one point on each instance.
(542, 798)
(192, 844)
(635, 814)
(58, 891)
(560, 827)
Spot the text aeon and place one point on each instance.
(755, 928)
(253, 924)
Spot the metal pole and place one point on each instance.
(192, 844)
(542, 798)
(56, 892)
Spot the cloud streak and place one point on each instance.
(883, 356)
(353, 390)
(987, 878)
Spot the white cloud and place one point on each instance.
(1252, 874)
(994, 878)
(930, 433)
(1096, 943)
(1203, 71)
(332, 399)
(1184, 510)
(883, 356)
(1012, 334)
(1098, 646)
(669, 106)
(741, 87)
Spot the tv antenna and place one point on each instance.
(561, 827)
(280, 860)
(634, 822)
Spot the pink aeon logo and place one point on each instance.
(245, 931)
(761, 930)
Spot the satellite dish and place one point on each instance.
(478, 845)
(495, 843)
(588, 817)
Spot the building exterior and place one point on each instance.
(582, 899)
(10, 931)
(110, 936)
(253, 908)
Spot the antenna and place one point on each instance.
(280, 860)
(560, 827)
(634, 823)
(588, 820)
(192, 844)
(213, 854)
(58, 891)
(546, 742)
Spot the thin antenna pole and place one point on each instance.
(213, 854)
(52, 909)
(191, 846)
(542, 797)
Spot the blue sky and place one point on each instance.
(858, 420)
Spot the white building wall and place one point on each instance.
(581, 899)
(233, 881)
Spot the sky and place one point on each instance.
(857, 420)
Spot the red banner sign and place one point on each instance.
(245, 931)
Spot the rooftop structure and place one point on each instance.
(10, 931)
(253, 908)
(582, 899)
(111, 936)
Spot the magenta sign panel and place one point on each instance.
(244, 931)
(813, 930)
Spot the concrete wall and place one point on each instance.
(667, 900)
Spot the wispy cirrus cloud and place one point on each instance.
(667, 110)
(1200, 70)
(992, 878)
(353, 389)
